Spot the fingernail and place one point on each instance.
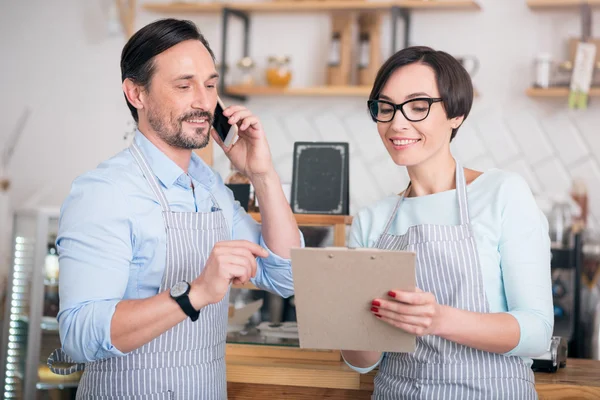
(375, 303)
(378, 316)
(391, 294)
(374, 309)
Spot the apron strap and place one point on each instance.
(150, 177)
(395, 211)
(461, 194)
(59, 356)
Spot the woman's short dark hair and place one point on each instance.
(137, 58)
(453, 81)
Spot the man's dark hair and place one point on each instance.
(453, 81)
(137, 58)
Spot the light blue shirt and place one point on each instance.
(512, 240)
(112, 242)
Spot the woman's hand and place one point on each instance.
(416, 312)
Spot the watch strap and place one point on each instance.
(186, 306)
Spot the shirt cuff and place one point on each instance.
(106, 348)
(85, 331)
(364, 370)
(273, 260)
(535, 335)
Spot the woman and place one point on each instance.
(483, 302)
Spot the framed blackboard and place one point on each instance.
(320, 178)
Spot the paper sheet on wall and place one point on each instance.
(581, 80)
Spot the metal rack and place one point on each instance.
(28, 335)
(569, 326)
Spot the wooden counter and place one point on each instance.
(285, 378)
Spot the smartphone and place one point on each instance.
(226, 132)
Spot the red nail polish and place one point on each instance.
(374, 309)
(378, 316)
(391, 294)
(375, 303)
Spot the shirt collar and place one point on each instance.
(166, 170)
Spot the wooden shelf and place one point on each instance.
(557, 92)
(301, 91)
(548, 4)
(315, 219)
(311, 5)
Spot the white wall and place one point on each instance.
(58, 59)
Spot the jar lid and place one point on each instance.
(246, 62)
(279, 59)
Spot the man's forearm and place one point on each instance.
(137, 322)
(279, 227)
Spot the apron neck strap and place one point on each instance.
(149, 175)
(461, 194)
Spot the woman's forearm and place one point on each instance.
(493, 332)
(361, 359)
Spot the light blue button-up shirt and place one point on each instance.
(112, 242)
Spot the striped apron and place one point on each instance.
(447, 265)
(187, 361)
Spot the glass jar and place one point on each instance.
(560, 224)
(278, 71)
(246, 72)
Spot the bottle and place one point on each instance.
(51, 264)
(334, 50)
(364, 50)
(543, 64)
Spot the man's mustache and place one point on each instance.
(197, 115)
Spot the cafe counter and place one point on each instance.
(260, 372)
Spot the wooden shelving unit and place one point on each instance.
(310, 5)
(557, 92)
(399, 9)
(550, 4)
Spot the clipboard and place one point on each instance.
(334, 288)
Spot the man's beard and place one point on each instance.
(172, 134)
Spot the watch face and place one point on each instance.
(179, 289)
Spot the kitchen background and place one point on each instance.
(61, 63)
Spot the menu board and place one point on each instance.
(320, 178)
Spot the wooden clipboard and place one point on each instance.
(334, 288)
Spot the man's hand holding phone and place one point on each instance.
(250, 154)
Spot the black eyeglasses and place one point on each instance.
(414, 110)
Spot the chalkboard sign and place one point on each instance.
(320, 178)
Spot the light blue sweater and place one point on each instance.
(512, 240)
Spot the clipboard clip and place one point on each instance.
(352, 248)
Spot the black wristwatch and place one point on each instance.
(179, 292)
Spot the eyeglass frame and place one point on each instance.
(429, 100)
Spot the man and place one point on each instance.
(150, 241)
